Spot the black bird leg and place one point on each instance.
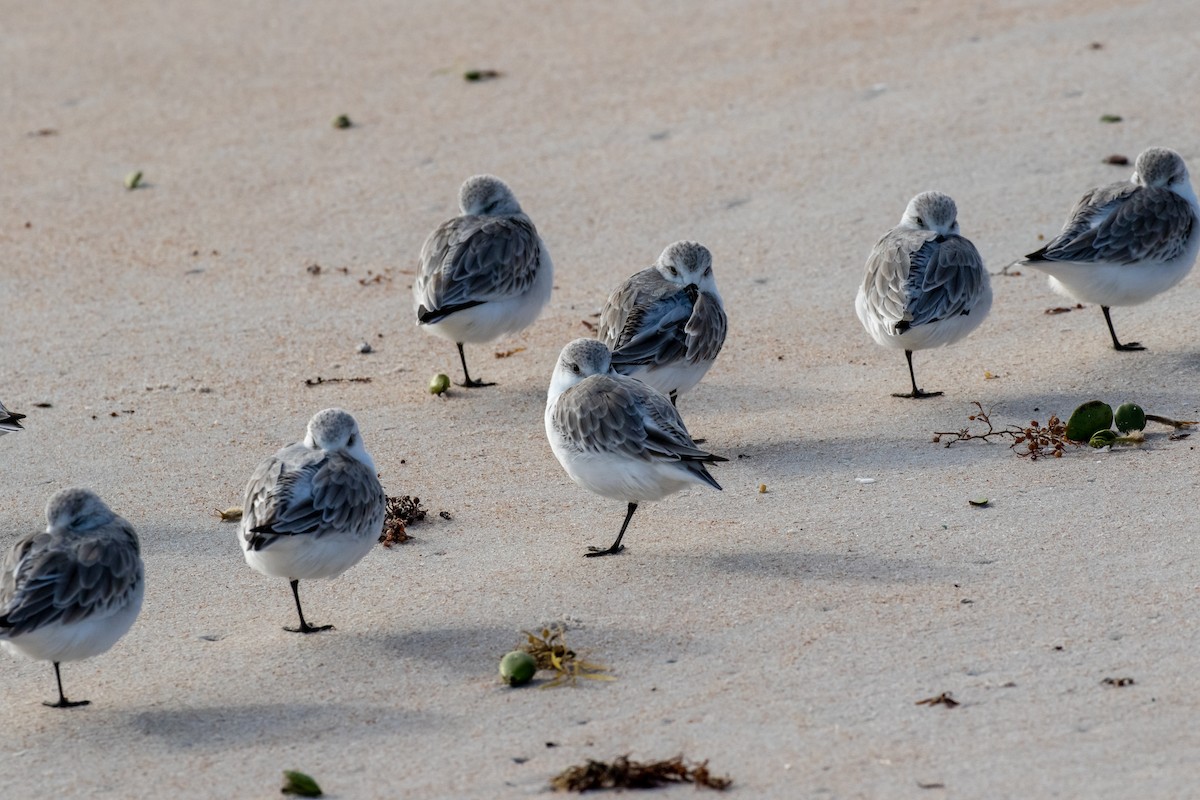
(1128, 346)
(616, 546)
(916, 394)
(63, 702)
(468, 383)
(304, 626)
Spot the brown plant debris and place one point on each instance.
(398, 514)
(1118, 682)
(231, 514)
(623, 773)
(1116, 159)
(944, 699)
(507, 353)
(477, 75)
(1033, 441)
(551, 653)
(317, 381)
(591, 326)
(1063, 309)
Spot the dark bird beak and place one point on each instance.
(693, 291)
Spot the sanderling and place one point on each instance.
(313, 509)
(72, 591)
(616, 436)
(666, 324)
(925, 284)
(1126, 242)
(9, 421)
(483, 274)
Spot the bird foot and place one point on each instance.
(917, 395)
(306, 628)
(63, 702)
(594, 552)
(476, 384)
(1128, 347)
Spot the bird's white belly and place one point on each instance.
(78, 640)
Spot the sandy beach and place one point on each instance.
(785, 636)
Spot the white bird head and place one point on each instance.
(77, 510)
(1160, 167)
(487, 195)
(580, 359)
(335, 430)
(931, 211)
(687, 264)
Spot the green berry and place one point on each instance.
(1130, 417)
(1090, 417)
(299, 784)
(517, 667)
(1102, 438)
(133, 179)
(439, 383)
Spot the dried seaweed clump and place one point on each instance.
(625, 774)
(551, 653)
(1033, 441)
(398, 513)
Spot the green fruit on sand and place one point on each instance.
(1090, 417)
(1129, 417)
(517, 667)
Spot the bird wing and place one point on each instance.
(615, 414)
(1123, 224)
(471, 260)
(945, 278)
(649, 321)
(294, 493)
(49, 578)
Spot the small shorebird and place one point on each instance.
(71, 591)
(616, 436)
(315, 508)
(483, 274)
(925, 284)
(665, 325)
(1126, 242)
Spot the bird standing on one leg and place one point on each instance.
(1127, 242)
(925, 284)
(483, 274)
(314, 509)
(71, 591)
(617, 436)
(665, 325)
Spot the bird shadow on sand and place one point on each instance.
(829, 567)
(449, 647)
(226, 727)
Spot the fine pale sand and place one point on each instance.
(785, 636)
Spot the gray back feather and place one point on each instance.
(306, 491)
(62, 578)
(650, 321)
(913, 278)
(615, 414)
(478, 258)
(1124, 223)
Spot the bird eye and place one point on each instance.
(708, 272)
(672, 269)
(350, 442)
(575, 368)
(921, 222)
